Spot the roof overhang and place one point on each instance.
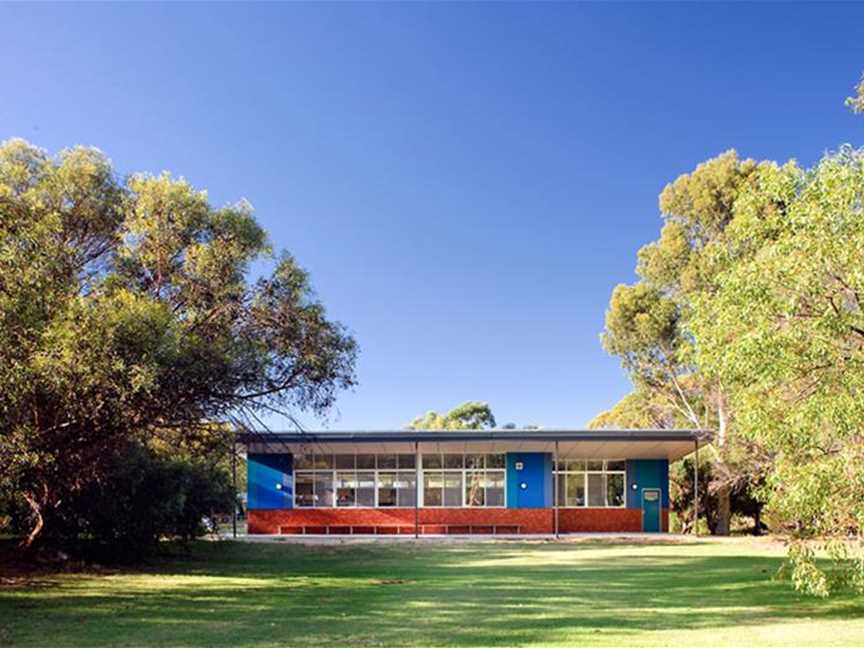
(606, 444)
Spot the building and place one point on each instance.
(490, 482)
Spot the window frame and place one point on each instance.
(495, 474)
(464, 473)
(333, 472)
(561, 478)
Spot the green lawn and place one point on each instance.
(537, 594)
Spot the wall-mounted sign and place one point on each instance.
(519, 465)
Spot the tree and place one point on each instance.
(784, 332)
(641, 408)
(470, 415)
(145, 495)
(855, 103)
(648, 324)
(126, 311)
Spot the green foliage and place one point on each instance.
(144, 496)
(784, 332)
(126, 311)
(743, 493)
(470, 415)
(648, 324)
(640, 409)
(855, 103)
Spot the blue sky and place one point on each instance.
(465, 183)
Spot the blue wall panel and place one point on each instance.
(530, 487)
(646, 473)
(270, 481)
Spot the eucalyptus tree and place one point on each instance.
(856, 102)
(470, 415)
(783, 331)
(127, 309)
(648, 324)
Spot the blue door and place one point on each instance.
(651, 510)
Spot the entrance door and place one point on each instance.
(651, 510)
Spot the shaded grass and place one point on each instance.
(230, 594)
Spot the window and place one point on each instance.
(456, 480)
(593, 483)
(390, 480)
(348, 480)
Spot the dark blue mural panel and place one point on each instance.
(529, 480)
(270, 481)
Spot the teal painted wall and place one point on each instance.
(647, 473)
(530, 487)
(270, 481)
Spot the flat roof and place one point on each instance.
(587, 444)
(391, 436)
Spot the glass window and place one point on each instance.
(596, 496)
(302, 461)
(389, 480)
(453, 489)
(474, 462)
(324, 489)
(562, 489)
(495, 488)
(346, 488)
(344, 461)
(386, 489)
(432, 461)
(365, 489)
(387, 461)
(322, 461)
(433, 486)
(576, 489)
(594, 482)
(366, 461)
(615, 490)
(405, 489)
(474, 491)
(304, 490)
(453, 461)
(494, 461)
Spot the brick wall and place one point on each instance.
(446, 520)
(575, 520)
(401, 520)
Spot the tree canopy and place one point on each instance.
(648, 324)
(784, 332)
(470, 415)
(128, 310)
(856, 102)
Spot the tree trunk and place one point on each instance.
(757, 521)
(38, 522)
(724, 512)
(724, 505)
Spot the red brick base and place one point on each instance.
(444, 521)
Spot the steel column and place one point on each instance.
(417, 467)
(696, 490)
(555, 488)
(234, 483)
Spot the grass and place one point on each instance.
(405, 594)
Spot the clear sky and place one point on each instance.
(465, 183)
